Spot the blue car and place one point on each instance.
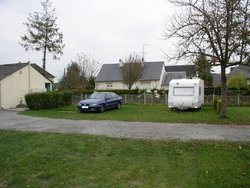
(100, 101)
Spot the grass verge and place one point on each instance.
(73, 160)
(150, 113)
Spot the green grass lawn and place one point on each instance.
(151, 113)
(74, 160)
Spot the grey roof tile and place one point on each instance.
(241, 69)
(8, 69)
(189, 69)
(111, 72)
(216, 79)
(168, 76)
(40, 70)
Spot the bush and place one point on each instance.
(48, 100)
(67, 97)
(216, 101)
(218, 106)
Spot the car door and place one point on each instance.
(108, 100)
(115, 100)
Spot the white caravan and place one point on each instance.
(186, 93)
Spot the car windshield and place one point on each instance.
(97, 96)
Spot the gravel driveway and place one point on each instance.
(144, 130)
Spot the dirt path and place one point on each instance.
(144, 130)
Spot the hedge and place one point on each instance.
(48, 100)
(118, 91)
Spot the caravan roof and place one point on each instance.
(185, 82)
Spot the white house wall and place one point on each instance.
(17, 85)
(106, 85)
(120, 85)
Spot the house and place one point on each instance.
(155, 75)
(241, 70)
(110, 76)
(216, 79)
(17, 80)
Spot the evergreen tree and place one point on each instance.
(42, 33)
(73, 79)
(203, 67)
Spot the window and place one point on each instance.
(109, 85)
(113, 95)
(108, 96)
(183, 91)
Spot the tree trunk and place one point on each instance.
(44, 59)
(223, 111)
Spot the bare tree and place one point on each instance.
(221, 27)
(131, 70)
(81, 73)
(90, 66)
(43, 33)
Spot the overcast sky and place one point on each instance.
(109, 30)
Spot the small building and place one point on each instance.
(17, 80)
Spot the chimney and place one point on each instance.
(142, 61)
(120, 63)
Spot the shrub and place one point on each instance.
(218, 106)
(48, 100)
(67, 97)
(216, 101)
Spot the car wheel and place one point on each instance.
(101, 108)
(118, 106)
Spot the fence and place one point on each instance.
(236, 100)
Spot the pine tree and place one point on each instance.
(42, 33)
(203, 68)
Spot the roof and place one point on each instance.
(40, 70)
(8, 69)
(190, 70)
(216, 79)
(241, 69)
(111, 72)
(168, 76)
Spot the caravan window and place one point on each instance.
(183, 91)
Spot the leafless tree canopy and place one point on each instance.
(90, 66)
(218, 28)
(131, 70)
(81, 73)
